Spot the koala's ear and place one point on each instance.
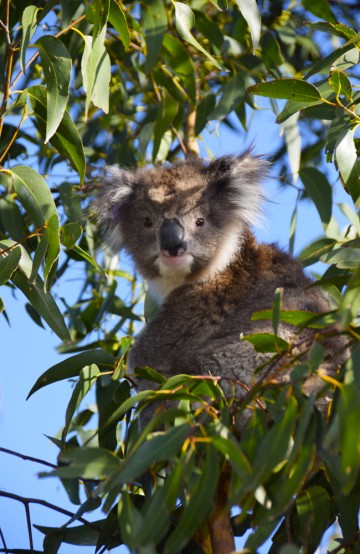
(238, 180)
(113, 192)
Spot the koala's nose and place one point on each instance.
(172, 238)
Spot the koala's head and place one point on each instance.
(184, 221)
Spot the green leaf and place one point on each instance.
(204, 111)
(313, 508)
(288, 89)
(266, 342)
(231, 95)
(251, 14)
(29, 24)
(349, 420)
(340, 84)
(80, 535)
(338, 29)
(159, 447)
(200, 503)
(66, 139)
(179, 60)
(158, 511)
(70, 234)
(71, 367)
(320, 8)
(319, 190)
(9, 262)
(96, 72)
(117, 19)
(76, 248)
(293, 317)
(324, 64)
(56, 62)
(154, 17)
(274, 446)
(88, 376)
(150, 375)
(348, 163)
(41, 301)
(312, 253)
(185, 20)
(167, 112)
(35, 196)
(87, 462)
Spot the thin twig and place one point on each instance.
(28, 458)
(3, 541)
(46, 504)
(28, 521)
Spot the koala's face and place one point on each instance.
(182, 221)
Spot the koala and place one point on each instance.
(187, 227)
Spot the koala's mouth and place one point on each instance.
(180, 259)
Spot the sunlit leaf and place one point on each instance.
(185, 20)
(348, 163)
(66, 138)
(96, 72)
(42, 301)
(56, 62)
(35, 196)
(252, 17)
(117, 19)
(8, 263)
(29, 24)
(288, 89)
(155, 24)
(340, 84)
(266, 342)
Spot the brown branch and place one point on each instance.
(190, 142)
(28, 458)
(27, 501)
(219, 524)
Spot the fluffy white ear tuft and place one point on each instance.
(112, 192)
(239, 179)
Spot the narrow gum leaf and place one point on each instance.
(28, 28)
(185, 20)
(251, 14)
(56, 62)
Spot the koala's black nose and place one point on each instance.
(172, 238)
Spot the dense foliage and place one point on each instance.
(129, 82)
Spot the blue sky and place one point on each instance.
(27, 351)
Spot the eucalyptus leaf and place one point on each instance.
(56, 62)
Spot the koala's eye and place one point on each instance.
(148, 222)
(200, 222)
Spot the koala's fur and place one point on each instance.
(213, 275)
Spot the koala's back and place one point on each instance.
(198, 331)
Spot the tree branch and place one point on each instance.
(27, 501)
(28, 458)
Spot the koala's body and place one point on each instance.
(187, 228)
